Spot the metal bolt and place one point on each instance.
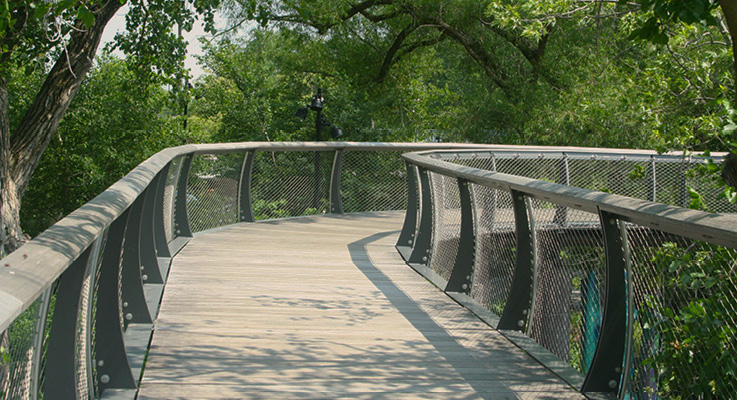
(178, 231)
(424, 258)
(464, 286)
(612, 221)
(100, 363)
(125, 304)
(468, 277)
(141, 267)
(524, 312)
(427, 251)
(520, 323)
(144, 277)
(624, 157)
(612, 384)
(541, 155)
(413, 235)
(593, 156)
(104, 379)
(409, 242)
(618, 369)
(128, 316)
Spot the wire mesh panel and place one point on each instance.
(373, 181)
(684, 329)
(475, 161)
(169, 193)
(495, 247)
(212, 190)
(19, 352)
(290, 184)
(627, 177)
(86, 355)
(545, 168)
(569, 282)
(446, 223)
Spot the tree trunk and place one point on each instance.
(21, 151)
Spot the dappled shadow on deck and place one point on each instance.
(323, 307)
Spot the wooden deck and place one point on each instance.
(324, 307)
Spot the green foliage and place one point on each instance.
(695, 323)
(114, 123)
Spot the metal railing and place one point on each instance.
(615, 294)
(77, 303)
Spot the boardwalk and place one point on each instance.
(324, 307)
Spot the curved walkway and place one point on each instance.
(324, 307)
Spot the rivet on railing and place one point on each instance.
(593, 156)
(409, 242)
(612, 384)
(105, 379)
(516, 155)
(520, 323)
(474, 155)
(144, 277)
(100, 363)
(424, 258)
(612, 222)
(524, 312)
(125, 304)
(464, 286)
(141, 267)
(128, 316)
(541, 155)
(413, 235)
(468, 277)
(624, 157)
(427, 251)
(618, 369)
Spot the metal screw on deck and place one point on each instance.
(320, 123)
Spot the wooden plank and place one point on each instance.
(323, 307)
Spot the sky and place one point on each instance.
(117, 24)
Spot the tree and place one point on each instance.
(65, 35)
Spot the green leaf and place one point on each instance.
(87, 16)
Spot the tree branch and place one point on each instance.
(389, 56)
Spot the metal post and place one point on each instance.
(653, 195)
(460, 277)
(146, 241)
(113, 368)
(38, 341)
(519, 303)
(336, 202)
(135, 309)
(406, 237)
(162, 247)
(61, 380)
(245, 206)
(181, 219)
(605, 373)
(561, 213)
(421, 251)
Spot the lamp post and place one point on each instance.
(320, 122)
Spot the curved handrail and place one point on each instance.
(33, 269)
(622, 228)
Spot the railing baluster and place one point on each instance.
(336, 202)
(60, 381)
(181, 219)
(422, 246)
(162, 247)
(38, 342)
(605, 372)
(245, 203)
(406, 237)
(460, 277)
(147, 243)
(113, 367)
(135, 309)
(518, 309)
